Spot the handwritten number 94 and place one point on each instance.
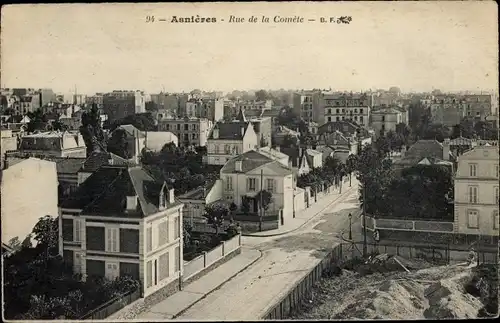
(150, 18)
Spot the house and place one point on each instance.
(385, 120)
(122, 221)
(244, 176)
(196, 200)
(476, 193)
(282, 132)
(136, 140)
(8, 143)
(228, 140)
(426, 152)
(54, 144)
(29, 192)
(346, 106)
(155, 140)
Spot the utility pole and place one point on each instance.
(364, 221)
(261, 208)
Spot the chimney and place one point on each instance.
(446, 149)
(216, 133)
(238, 166)
(131, 203)
(171, 196)
(277, 149)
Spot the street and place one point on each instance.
(286, 259)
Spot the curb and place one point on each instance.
(219, 286)
(300, 226)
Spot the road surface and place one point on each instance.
(286, 259)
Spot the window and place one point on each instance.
(227, 149)
(360, 110)
(193, 136)
(355, 110)
(383, 118)
(149, 239)
(472, 170)
(270, 185)
(338, 110)
(78, 230)
(178, 127)
(186, 126)
(194, 127)
(149, 274)
(473, 219)
(177, 229)
(162, 233)
(164, 266)
(496, 171)
(77, 264)
(112, 270)
(251, 184)
(112, 239)
(495, 219)
(329, 119)
(177, 258)
(229, 183)
(472, 194)
(338, 118)
(497, 197)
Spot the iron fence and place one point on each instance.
(112, 306)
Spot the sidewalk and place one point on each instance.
(179, 302)
(304, 216)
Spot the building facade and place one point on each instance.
(307, 105)
(476, 192)
(385, 120)
(119, 104)
(228, 140)
(122, 229)
(189, 131)
(55, 144)
(349, 107)
(246, 175)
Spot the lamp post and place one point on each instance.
(350, 226)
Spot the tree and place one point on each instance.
(245, 205)
(289, 141)
(261, 95)
(91, 131)
(118, 144)
(215, 214)
(46, 233)
(142, 121)
(37, 121)
(263, 142)
(351, 166)
(187, 229)
(264, 199)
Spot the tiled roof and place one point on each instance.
(250, 160)
(105, 193)
(198, 193)
(230, 130)
(68, 165)
(422, 149)
(271, 113)
(325, 151)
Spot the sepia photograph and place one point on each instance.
(244, 161)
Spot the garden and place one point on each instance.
(38, 285)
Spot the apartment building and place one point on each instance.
(476, 192)
(121, 221)
(261, 125)
(206, 108)
(228, 140)
(307, 105)
(450, 109)
(97, 98)
(27, 103)
(189, 131)
(343, 106)
(170, 104)
(119, 104)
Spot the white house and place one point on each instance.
(228, 140)
(252, 172)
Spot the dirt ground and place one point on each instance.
(434, 292)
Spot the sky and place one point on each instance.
(418, 46)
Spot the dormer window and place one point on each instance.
(132, 202)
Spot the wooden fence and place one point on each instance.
(112, 306)
(346, 251)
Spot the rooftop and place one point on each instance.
(105, 193)
(423, 149)
(230, 130)
(252, 160)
